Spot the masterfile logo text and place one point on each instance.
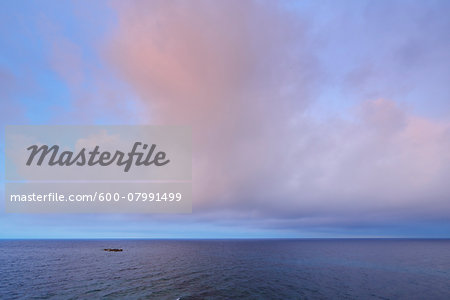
(98, 169)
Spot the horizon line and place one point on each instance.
(236, 238)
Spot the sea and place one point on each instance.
(226, 269)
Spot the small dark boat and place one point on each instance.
(113, 249)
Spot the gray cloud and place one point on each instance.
(245, 76)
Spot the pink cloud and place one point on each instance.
(241, 74)
(217, 69)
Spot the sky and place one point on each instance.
(309, 118)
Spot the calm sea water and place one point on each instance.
(226, 269)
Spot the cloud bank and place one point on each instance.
(245, 76)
